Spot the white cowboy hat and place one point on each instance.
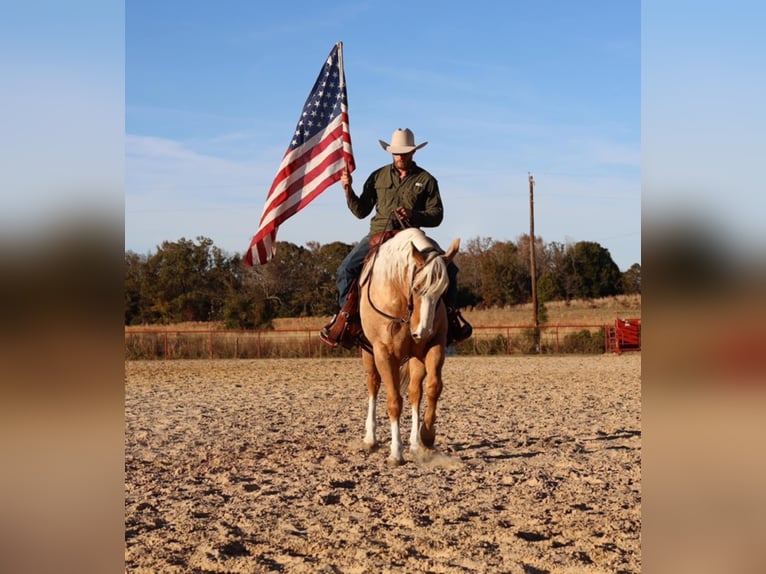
(402, 141)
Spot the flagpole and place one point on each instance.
(340, 65)
(342, 77)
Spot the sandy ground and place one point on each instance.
(258, 466)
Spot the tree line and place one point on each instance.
(189, 280)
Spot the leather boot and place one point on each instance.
(458, 329)
(345, 331)
(345, 328)
(332, 333)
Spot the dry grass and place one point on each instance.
(186, 326)
(577, 312)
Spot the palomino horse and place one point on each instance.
(404, 317)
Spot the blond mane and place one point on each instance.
(395, 262)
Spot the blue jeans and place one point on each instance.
(350, 268)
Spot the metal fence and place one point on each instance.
(304, 343)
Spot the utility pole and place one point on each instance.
(532, 249)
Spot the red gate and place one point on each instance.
(625, 335)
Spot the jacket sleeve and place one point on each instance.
(432, 212)
(361, 205)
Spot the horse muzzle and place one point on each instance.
(420, 334)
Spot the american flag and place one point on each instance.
(319, 151)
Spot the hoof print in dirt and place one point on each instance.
(233, 548)
(343, 484)
(531, 536)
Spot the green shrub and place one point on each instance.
(584, 341)
(497, 345)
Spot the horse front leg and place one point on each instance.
(388, 367)
(373, 386)
(417, 373)
(434, 364)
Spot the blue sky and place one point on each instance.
(187, 142)
(499, 90)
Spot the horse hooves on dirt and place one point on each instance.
(395, 461)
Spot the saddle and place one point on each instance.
(379, 239)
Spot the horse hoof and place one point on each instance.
(394, 462)
(369, 446)
(427, 437)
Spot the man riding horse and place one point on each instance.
(404, 195)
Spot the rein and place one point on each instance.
(432, 253)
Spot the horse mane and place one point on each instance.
(432, 279)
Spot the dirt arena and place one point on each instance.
(258, 466)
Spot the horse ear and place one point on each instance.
(417, 255)
(452, 251)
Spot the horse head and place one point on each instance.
(429, 282)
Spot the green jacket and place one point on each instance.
(419, 191)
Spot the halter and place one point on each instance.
(430, 252)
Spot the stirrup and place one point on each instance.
(458, 329)
(327, 334)
(348, 335)
(353, 336)
(362, 342)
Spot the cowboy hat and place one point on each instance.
(402, 141)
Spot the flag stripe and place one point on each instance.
(319, 152)
(292, 203)
(295, 170)
(313, 178)
(328, 166)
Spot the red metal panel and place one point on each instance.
(627, 335)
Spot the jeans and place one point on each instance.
(350, 268)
